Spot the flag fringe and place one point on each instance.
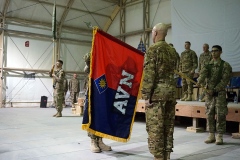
(86, 126)
(103, 135)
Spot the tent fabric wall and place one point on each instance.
(215, 22)
(38, 55)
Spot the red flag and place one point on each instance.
(115, 78)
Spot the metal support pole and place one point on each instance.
(122, 19)
(1, 64)
(146, 17)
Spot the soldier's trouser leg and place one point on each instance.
(54, 102)
(169, 119)
(72, 98)
(210, 113)
(54, 99)
(76, 94)
(184, 86)
(155, 129)
(221, 112)
(169, 128)
(59, 101)
(190, 84)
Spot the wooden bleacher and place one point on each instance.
(78, 110)
(196, 110)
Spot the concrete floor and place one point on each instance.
(33, 134)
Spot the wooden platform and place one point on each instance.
(196, 110)
(78, 107)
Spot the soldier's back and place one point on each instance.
(166, 60)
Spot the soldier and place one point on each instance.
(204, 59)
(97, 144)
(158, 91)
(216, 75)
(177, 64)
(188, 64)
(58, 86)
(74, 88)
(65, 86)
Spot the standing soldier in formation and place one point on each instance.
(65, 86)
(204, 59)
(58, 95)
(216, 75)
(188, 65)
(158, 91)
(74, 88)
(176, 76)
(97, 144)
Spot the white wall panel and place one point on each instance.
(38, 56)
(134, 17)
(160, 12)
(218, 25)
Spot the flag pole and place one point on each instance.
(54, 32)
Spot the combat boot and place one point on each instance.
(203, 100)
(219, 139)
(103, 146)
(184, 97)
(55, 114)
(94, 146)
(167, 155)
(73, 106)
(189, 98)
(158, 158)
(59, 114)
(211, 138)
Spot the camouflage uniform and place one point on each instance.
(216, 105)
(96, 142)
(87, 70)
(204, 59)
(65, 86)
(188, 63)
(59, 89)
(177, 65)
(158, 87)
(74, 89)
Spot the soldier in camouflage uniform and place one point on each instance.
(74, 88)
(188, 64)
(158, 91)
(97, 144)
(58, 86)
(65, 86)
(204, 59)
(176, 76)
(217, 75)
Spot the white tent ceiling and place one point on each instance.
(72, 15)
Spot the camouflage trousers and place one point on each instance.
(187, 86)
(74, 97)
(160, 127)
(58, 97)
(203, 93)
(216, 106)
(92, 136)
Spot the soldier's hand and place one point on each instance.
(147, 103)
(53, 75)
